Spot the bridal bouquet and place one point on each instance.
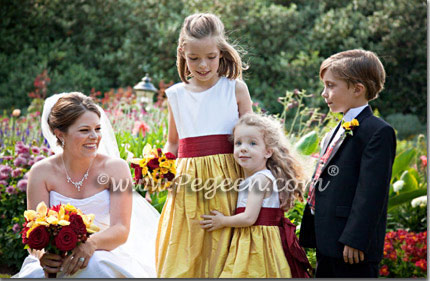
(58, 229)
(156, 169)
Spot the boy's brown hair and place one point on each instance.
(357, 66)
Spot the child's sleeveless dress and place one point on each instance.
(256, 251)
(204, 121)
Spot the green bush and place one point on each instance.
(105, 44)
(406, 125)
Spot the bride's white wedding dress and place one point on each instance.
(135, 258)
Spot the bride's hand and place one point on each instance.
(51, 263)
(79, 258)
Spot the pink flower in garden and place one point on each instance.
(5, 169)
(10, 189)
(20, 161)
(45, 149)
(3, 182)
(31, 162)
(22, 185)
(35, 150)
(423, 159)
(7, 158)
(25, 176)
(383, 271)
(38, 158)
(421, 264)
(16, 228)
(4, 176)
(17, 172)
(140, 126)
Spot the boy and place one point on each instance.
(346, 213)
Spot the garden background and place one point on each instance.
(104, 47)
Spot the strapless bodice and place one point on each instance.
(97, 204)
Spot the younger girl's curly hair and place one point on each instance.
(285, 163)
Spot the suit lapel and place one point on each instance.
(328, 139)
(366, 112)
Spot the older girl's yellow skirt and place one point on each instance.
(183, 248)
(256, 252)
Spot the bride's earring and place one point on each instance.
(62, 143)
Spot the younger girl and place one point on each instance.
(264, 244)
(203, 110)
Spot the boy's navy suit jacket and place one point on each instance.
(351, 203)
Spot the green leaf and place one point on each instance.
(308, 144)
(402, 162)
(410, 182)
(404, 197)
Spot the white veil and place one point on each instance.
(140, 244)
(107, 146)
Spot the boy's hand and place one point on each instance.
(352, 255)
(212, 223)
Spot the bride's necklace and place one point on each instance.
(77, 184)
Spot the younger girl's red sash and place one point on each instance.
(295, 254)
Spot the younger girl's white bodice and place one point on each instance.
(211, 112)
(270, 202)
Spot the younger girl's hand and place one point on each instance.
(213, 222)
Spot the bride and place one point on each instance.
(87, 172)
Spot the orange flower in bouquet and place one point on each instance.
(58, 229)
(156, 169)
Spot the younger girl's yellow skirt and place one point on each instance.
(256, 252)
(183, 248)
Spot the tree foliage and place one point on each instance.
(105, 44)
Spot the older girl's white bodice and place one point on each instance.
(134, 259)
(270, 202)
(211, 112)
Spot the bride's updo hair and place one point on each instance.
(68, 109)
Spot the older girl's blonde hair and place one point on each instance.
(199, 26)
(285, 164)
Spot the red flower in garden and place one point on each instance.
(38, 238)
(393, 256)
(421, 264)
(140, 126)
(383, 271)
(66, 239)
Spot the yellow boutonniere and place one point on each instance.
(350, 126)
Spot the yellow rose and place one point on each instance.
(347, 125)
(355, 123)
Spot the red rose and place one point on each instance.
(153, 164)
(77, 224)
(170, 156)
(169, 176)
(66, 239)
(38, 238)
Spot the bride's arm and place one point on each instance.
(120, 215)
(120, 207)
(36, 187)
